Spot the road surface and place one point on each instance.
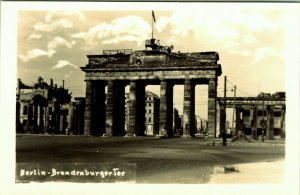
(163, 161)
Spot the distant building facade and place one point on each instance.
(152, 113)
(41, 108)
(261, 115)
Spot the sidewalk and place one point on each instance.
(250, 173)
(219, 141)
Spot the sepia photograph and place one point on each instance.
(142, 98)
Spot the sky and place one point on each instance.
(250, 40)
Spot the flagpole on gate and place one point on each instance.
(153, 19)
(152, 27)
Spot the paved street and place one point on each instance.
(175, 160)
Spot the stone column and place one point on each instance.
(283, 122)
(61, 123)
(254, 122)
(38, 106)
(132, 109)
(222, 119)
(140, 108)
(271, 123)
(163, 107)
(18, 116)
(79, 117)
(189, 109)
(119, 109)
(35, 118)
(88, 108)
(237, 118)
(29, 118)
(70, 117)
(46, 127)
(57, 113)
(169, 92)
(99, 109)
(109, 108)
(136, 109)
(212, 94)
(41, 121)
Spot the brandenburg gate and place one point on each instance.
(156, 65)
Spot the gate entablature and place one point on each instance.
(144, 58)
(153, 65)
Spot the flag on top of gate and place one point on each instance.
(153, 16)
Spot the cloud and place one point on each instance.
(246, 53)
(218, 25)
(58, 41)
(249, 39)
(130, 28)
(52, 46)
(35, 53)
(162, 23)
(263, 54)
(225, 33)
(51, 14)
(48, 27)
(34, 36)
(258, 22)
(63, 63)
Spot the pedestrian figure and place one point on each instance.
(224, 139)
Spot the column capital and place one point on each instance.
(212, 80)
(88, 81)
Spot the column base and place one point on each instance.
(130, 135)
(186, 136)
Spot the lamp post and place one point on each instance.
(234, 91)
(224, 114)
(263, 114)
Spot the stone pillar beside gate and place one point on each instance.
(212, 94)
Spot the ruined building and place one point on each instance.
(41, 107)
(257, 116)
